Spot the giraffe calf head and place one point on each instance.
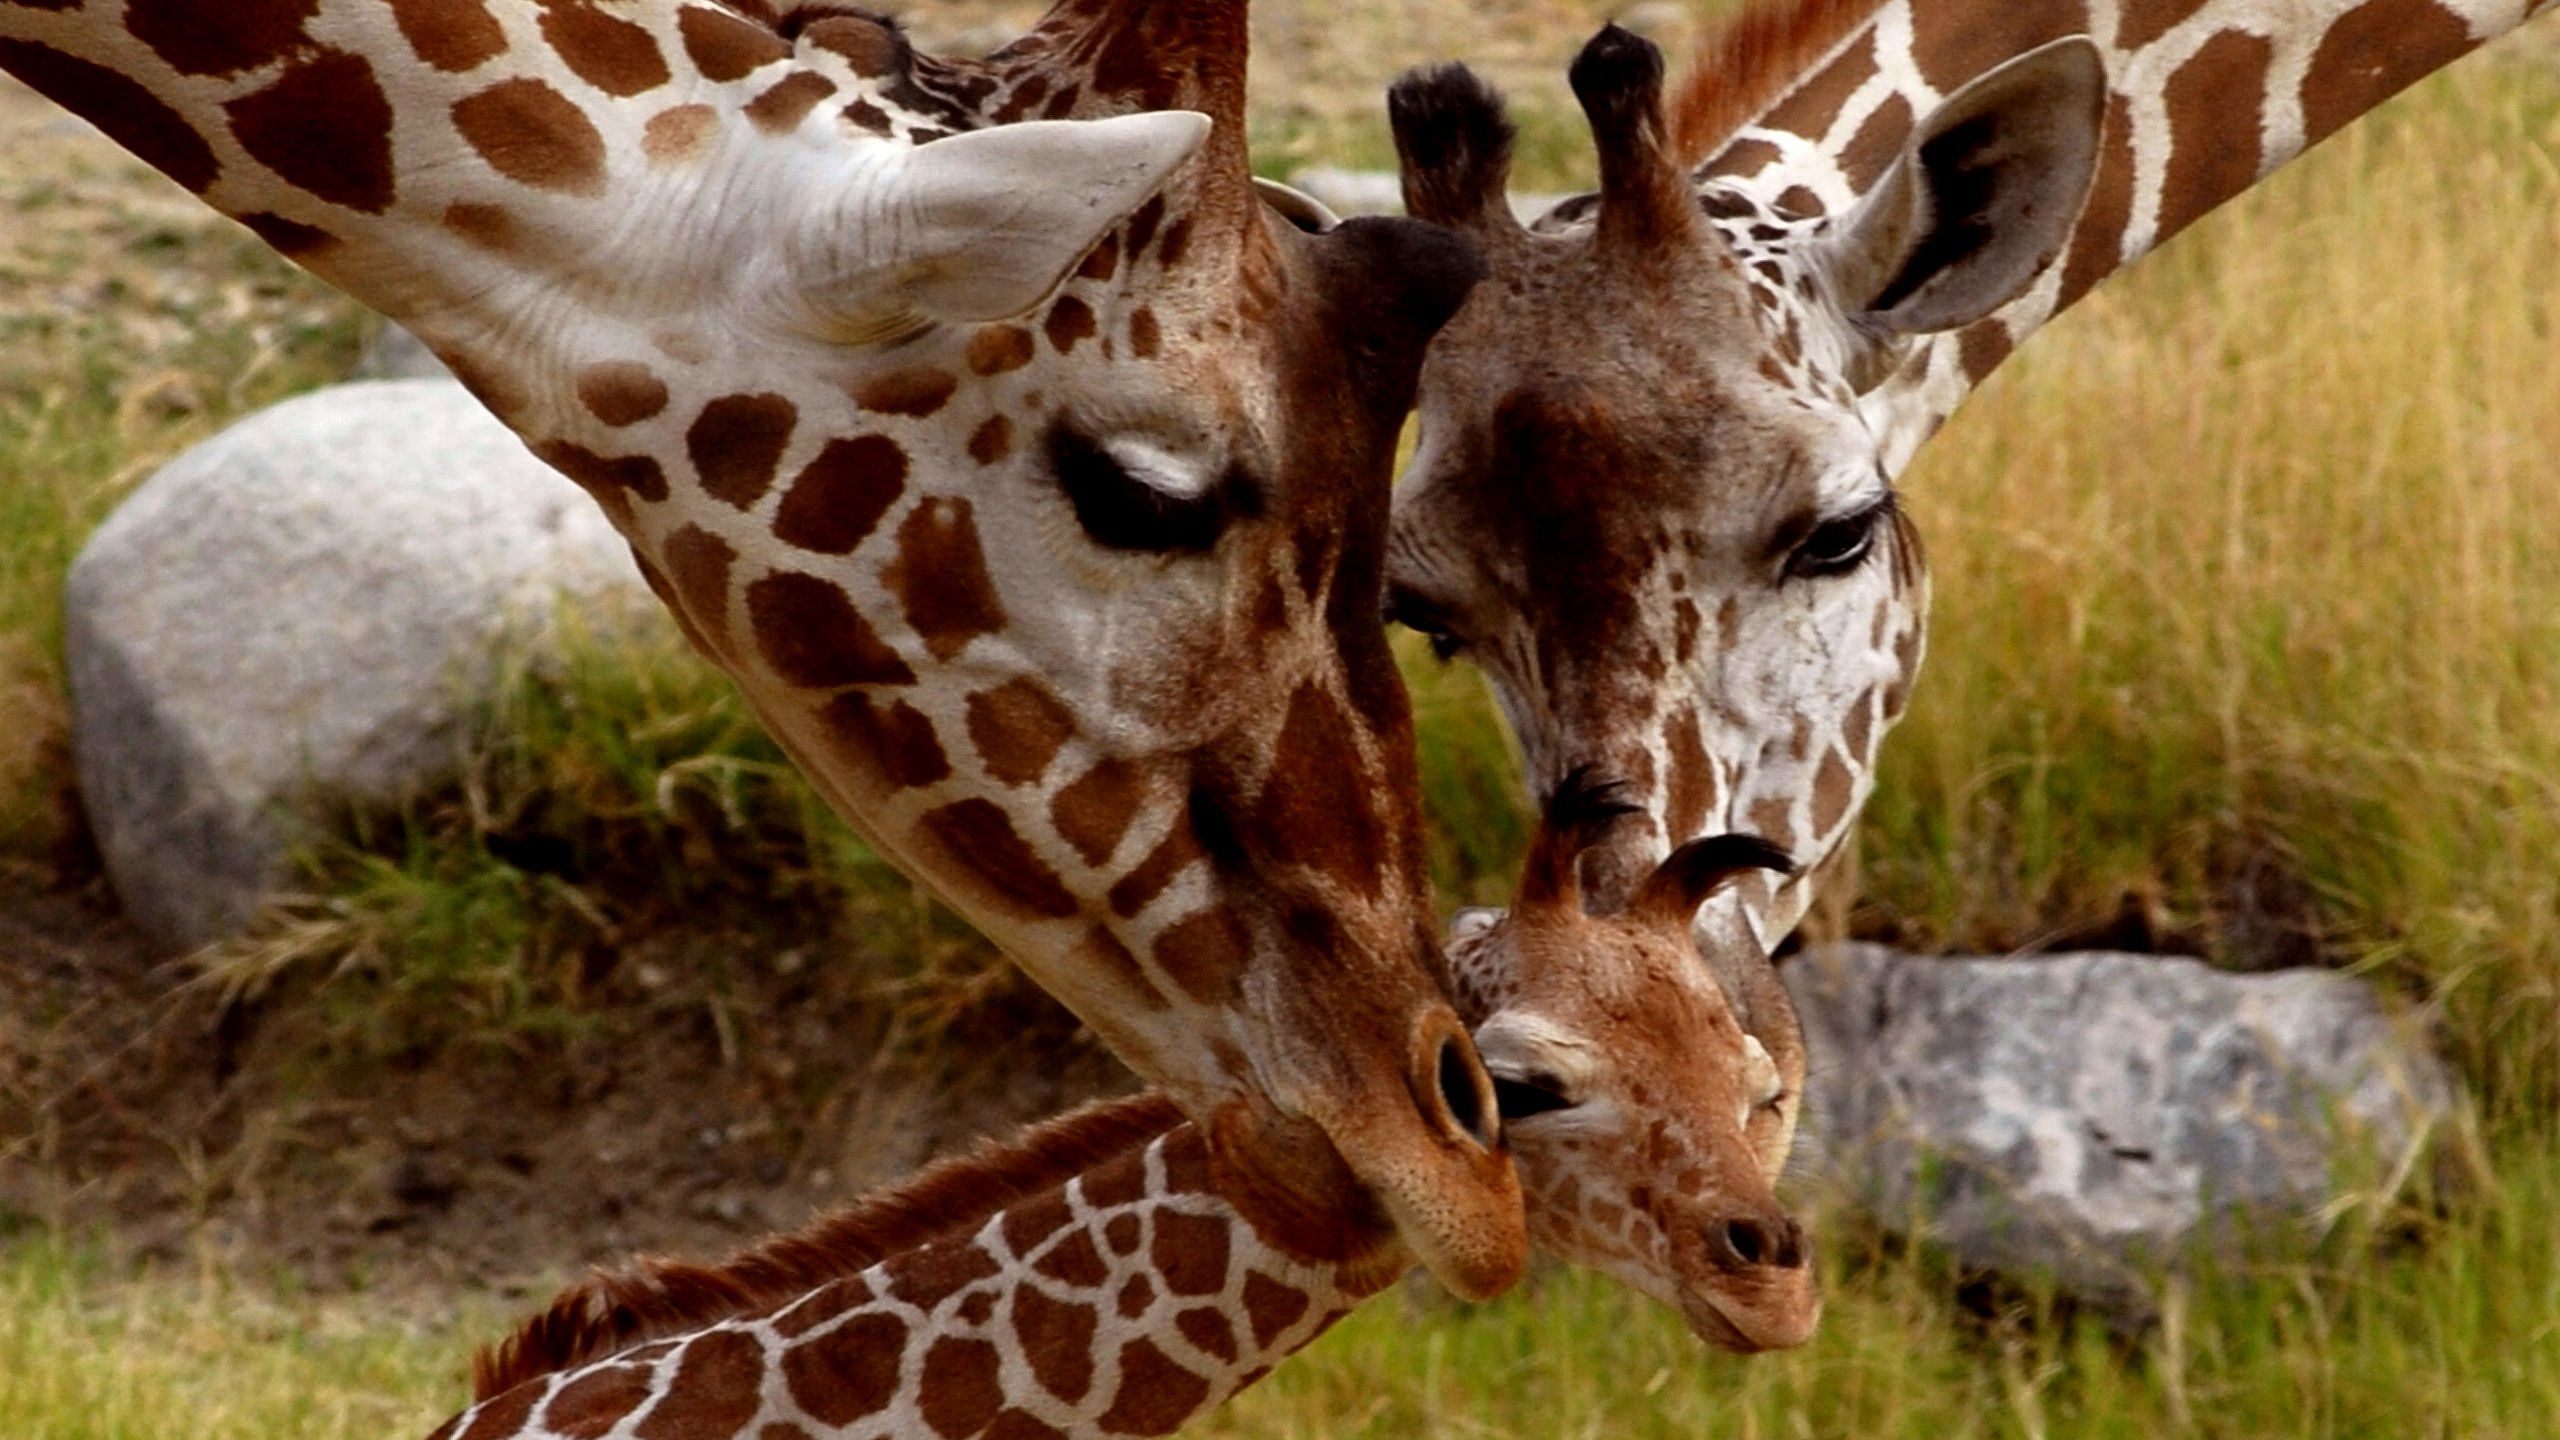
(1648, 497)
(1650, 1112)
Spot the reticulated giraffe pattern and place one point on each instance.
(1093, 1279)
(1029, 477)
(1654, 495)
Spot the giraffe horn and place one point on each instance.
(1453, 145)
(1644, 196)
(1577, 815)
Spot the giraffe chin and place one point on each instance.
(1749, 1334)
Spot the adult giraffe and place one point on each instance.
(1091, 1280)
(1031, 482)
(1654, 491)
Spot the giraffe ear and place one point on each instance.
(989, 222)
(1983, 197)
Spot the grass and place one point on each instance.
(2248, 622)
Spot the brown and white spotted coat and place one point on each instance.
(1092, 1279)
(1031, 482)
(1654, 494)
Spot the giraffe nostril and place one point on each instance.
(1744, 1241)
(1462, 1090)
(1793, 1250)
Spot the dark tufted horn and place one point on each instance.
(1644, 196)
(1453, 144)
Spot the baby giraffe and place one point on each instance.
(1089, 1279)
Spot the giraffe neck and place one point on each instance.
(2207, 99)
(1125, 1298)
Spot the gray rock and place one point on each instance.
(296, 616)
(395, 353)
(1379, 192)
(2101, 1116)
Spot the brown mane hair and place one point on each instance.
(653, 1298)
(1749, 63)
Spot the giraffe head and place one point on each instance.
(1053, 553)
(1650, 1111)
(1648, 499)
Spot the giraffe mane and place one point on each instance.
(652, 1298)
(1747, 64)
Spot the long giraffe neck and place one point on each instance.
(2206, 99)
(1087, 1281)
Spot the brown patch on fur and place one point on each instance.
(1155, 1396)
(1102, 260)
(621, 392)
(782, 108)
(717, 1388)
(1877, 143)
(837, 499)
(1204, 954)
(1752, 62)
(1207, 1329)
(992, 440)
(1093, 810)
(2213, 141)
(196, 39)
(736, 442)
(914, 390)
(848, 1373)
(811, 635)
(610, 53)
(698, 563)
(897, 736)
(1144, 337)
(1057, 1338)
(1070, 320)
(1017, 728)
(981, 838)
(2097, 242)
(288, 237)
(1316, 807)
(491, 227)
(1172, 855)
(928, 1276)
(2370, 54)
(679, 134)
(594, 1403)
(940, 577)
(612, 479)
(534, 135)
(996, 349)
(724, 47)
(657, 1298)
(2142, 21)
(1951, 46)
(451, 35)
(130, 115)
(1272, 1307)
(345, 161)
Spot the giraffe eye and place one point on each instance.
(1519, 1097)
(1836, 547)
(1426, 618)
(1132, 494)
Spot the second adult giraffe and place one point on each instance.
(1030, 480)
(1654, 491)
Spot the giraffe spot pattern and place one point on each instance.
(1773, 820)
(1951, 46)
(1070, 320)
(1094, 810)
(612, 479)
(1057, 1338)
(1875, 145)
(1693, 776)
(810, 634)
(1173, 854)
(1317, 809)
(2143, 21)
(982, 839)
(849, 1372)
(1209, 1331)
(838, 499)
(724, 47)
(1142, 225)
(505, 1415)
(1177, 242)
(781, 108)
(822, 1305)
(1832, 786)
(130, 115)
(1015, 1425)
(1017, 728)
(960, 1392)
(288, 237)
(940, 577)
(2211, 159)
(716, 1390)
(1074, 1261)
(595, 1402)
(679, 134)
(2370, 53)
(1190, 1252)
(898, 738)
(1155, 1396)
(1144, 338)
(1813, 105)
(533, 135)
(1102, 261)
(917, 390)
(1136, 1294)
(1121, 1234)
(698, 564)
(610, 53)
(1101, 952)
(991, 441)
(927, 1277)
(196, 39)
(870, 50)
(2097, 243)
(736, 442)
(1204, 954)
(346, 161)
(450, 35)
(621, 392)
(783, 1430)
(490, 227)
(996, 349)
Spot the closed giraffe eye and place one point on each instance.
(1537, 1093)
(1130, 494)
(1424, 617)
(1836, 547)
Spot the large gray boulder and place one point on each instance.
(2099, 1116)
(297, 615)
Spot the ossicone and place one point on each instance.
(1644, 193)
(1696, 871)
(1453, 145)
(1583, 809)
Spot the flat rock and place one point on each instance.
(297, 616)
(1381, 192)
(2099, 1116)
